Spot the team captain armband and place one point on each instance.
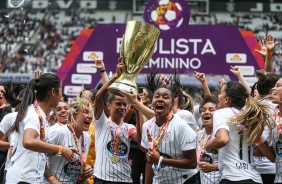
(131, 131)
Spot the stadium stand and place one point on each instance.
(32, 39)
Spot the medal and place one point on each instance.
(116, 139)
(114, 159)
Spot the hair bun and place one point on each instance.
(261, 75)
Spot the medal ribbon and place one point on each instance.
(42, 128)
(202, 151)
(153, 145)
(277, 121)
(82, 156)
(116, 138)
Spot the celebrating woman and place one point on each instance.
(29, 157)
(72, 135)
(235, 130)
(209, 173)
(169, 141)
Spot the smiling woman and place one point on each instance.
(73, 135)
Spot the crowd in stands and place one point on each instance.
(32, 40)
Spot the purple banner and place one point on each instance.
(210, 49)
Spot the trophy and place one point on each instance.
(138, 45)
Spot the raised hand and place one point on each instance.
(130, 97)
(263, 49)
(120, 66)
(270, 44)
(37, 74)
(222, 82)
(200, 76)
(99, 64)
(235, 70)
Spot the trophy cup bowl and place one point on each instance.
(138, 45)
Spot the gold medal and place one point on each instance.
(115, 159)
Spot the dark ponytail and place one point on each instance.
(28, 98)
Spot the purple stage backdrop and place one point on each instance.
(211, 49)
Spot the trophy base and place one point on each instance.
(120, 86)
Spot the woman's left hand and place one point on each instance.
(207, 167)
(153, 157)
(88, 171)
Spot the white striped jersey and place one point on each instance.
(104, 168)
(63, 171)
(178, 137)
(212, 177)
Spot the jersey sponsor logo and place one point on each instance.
(190, 142)
(72, 169)
(122, 148)
(207, 158)
(166, 136)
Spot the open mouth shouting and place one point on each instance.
(206, 118)
(159, 107)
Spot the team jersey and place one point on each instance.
(235, 158)
(212, 177)
(26, 165)
(188, 118)
(104, 168)
(63, 171)
(178, 137)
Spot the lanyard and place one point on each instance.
(277, 118)
(203, 147)
(42, 128)
(153, 145)
(83, 155)
(116, 138)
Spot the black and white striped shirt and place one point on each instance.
(104, 168)
(178, 137)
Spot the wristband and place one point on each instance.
(259, 143)
(204, 83)
(117, 75)
(131, 108)
(103, 70)
(269, 53)
(160, 161)
(51, 178)
(60, 150)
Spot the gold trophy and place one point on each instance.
(138, 45)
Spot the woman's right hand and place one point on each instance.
(68, 153)
(120, 66)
